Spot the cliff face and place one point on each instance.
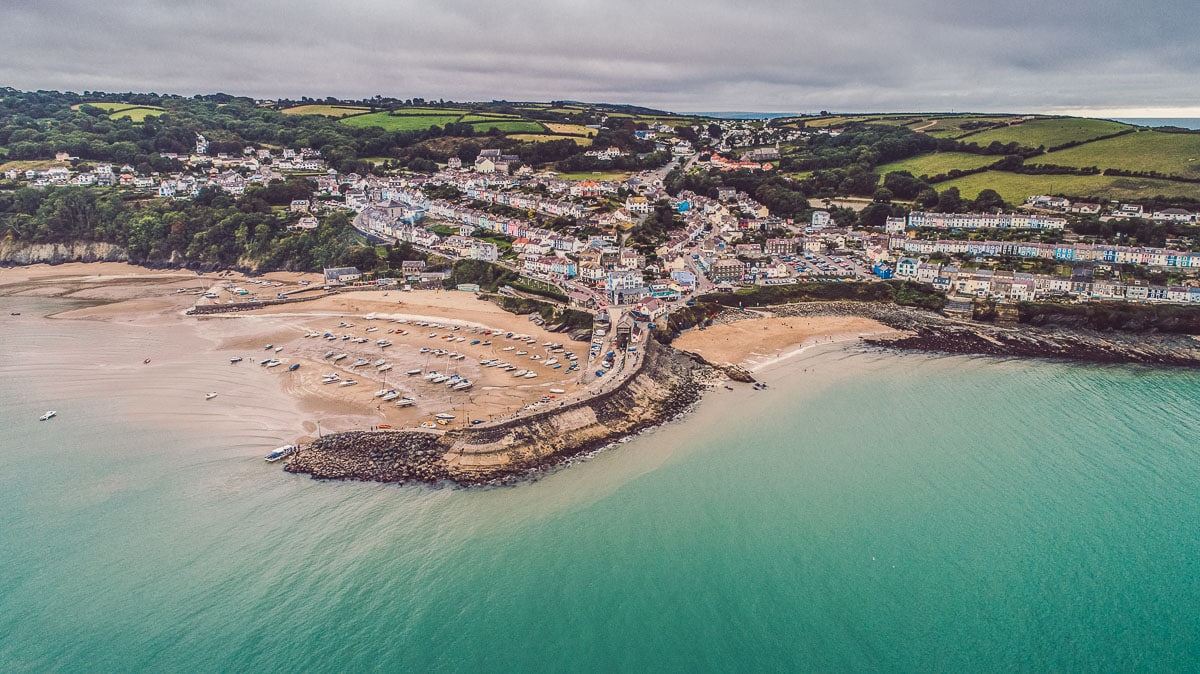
(20, 253)
(668, 383)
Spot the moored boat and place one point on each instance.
(210, 395)
(48, 415)
(280, 453)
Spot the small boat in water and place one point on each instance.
(210, 395)
(48, 415)
(280, 453)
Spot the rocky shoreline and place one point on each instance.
(669, 383)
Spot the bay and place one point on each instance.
(867, 511)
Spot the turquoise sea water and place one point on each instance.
(868, 512)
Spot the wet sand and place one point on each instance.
(151, 304)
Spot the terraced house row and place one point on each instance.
(1066, 252)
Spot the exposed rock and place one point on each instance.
(21, 253)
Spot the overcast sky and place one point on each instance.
(1089, 56)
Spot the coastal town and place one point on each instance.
(579, 239)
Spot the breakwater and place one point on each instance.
(666, 386)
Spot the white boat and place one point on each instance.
(348, 382)
(369, 317)
(413, 372)
(339, 357)
(520, 373)
(405, 402)
(48, 415)
(235, 359)
(274, 363)
(328, 354)
(360, 362)
(463, 385)
(383, 343)
(382, 392)
(509, 348)
(210, 396)
(331, 379)
(522, 353)
(535, 357)
(278, 349)
(372, 329)
(390, 396)
(557, 390)
(530, 375)
(440, 378)
(384, 368)
(379, 362)
(280, 453)
(552, 361)
(445, 416)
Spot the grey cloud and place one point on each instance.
(1023, 55)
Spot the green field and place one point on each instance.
(950, 126)
(1016, 187)
(544, 137)
(509, 127)
(1048, 132)
(487, 117)
(429, 111)
(1167, 153)
(326, 110)
(398, 122)
(137, 114)
(937, 163)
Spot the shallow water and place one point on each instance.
(868, 511)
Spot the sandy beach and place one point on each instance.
(427, 331)
(758, 343)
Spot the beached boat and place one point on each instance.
(463, 385)
(331, 379)
(433, 374)
(413, 372)
(509, 348)
(293, 367)
(268, 347)
(383, 343)
(444, 415)
(530, 375)
(557, 390)
(384, 368)
(210, 396)
(348, 382)
(382, 392)
(379, 362)
(360, 362)
(280, 453)
(440, 378)
(235, 359)
(405, 402)
(278, 349)
(390, 396)
(428, 424)
(371, 329)
(552, 361)
(48, 415)
(520, 373)
(338, 357)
